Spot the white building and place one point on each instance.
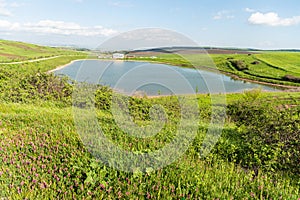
(118, 56)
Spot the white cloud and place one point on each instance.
(250, 10)
(4, 11)
(224, 14)
(15, 4)
(121, 4)
(272, 19)
(6, 25)
(57, 27)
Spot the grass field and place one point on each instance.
(43, 157)
(11, 51)
(270, 67)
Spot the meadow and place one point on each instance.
(43, 157)
(281, 68)
(11, 51)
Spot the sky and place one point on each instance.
(263, 24)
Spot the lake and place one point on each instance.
(154, 79)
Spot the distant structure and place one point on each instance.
(118, 56)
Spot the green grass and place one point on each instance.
(42, 156)
(270, 67)
(287, 62)
(11, 51)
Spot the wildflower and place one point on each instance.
(34, 181)
(120, 194)
(102, 186)
(148, 195)
(43, 185)
(22, 183)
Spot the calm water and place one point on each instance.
(153, 79)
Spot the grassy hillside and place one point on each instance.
(272, 67)
(11, 51)
(42, 155)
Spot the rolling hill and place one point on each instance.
(12, 51)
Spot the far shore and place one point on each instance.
(65, 65)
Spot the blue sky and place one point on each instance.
(266, 24)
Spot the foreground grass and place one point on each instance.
(42, 157)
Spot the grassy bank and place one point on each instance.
(42, 155)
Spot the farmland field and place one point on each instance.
(43, 157)
(264, 66)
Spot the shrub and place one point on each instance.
(239, 65)
(270, 137)
(291, 78)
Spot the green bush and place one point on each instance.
(239, 65)
(269, 137)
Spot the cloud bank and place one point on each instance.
(272, 19)
(56, 27)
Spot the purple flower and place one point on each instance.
(43, 185)
(102, 186)
(34, 181)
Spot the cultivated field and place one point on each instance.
(280, 68)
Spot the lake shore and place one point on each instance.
(65, 65)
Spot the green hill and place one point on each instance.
(12, 51)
